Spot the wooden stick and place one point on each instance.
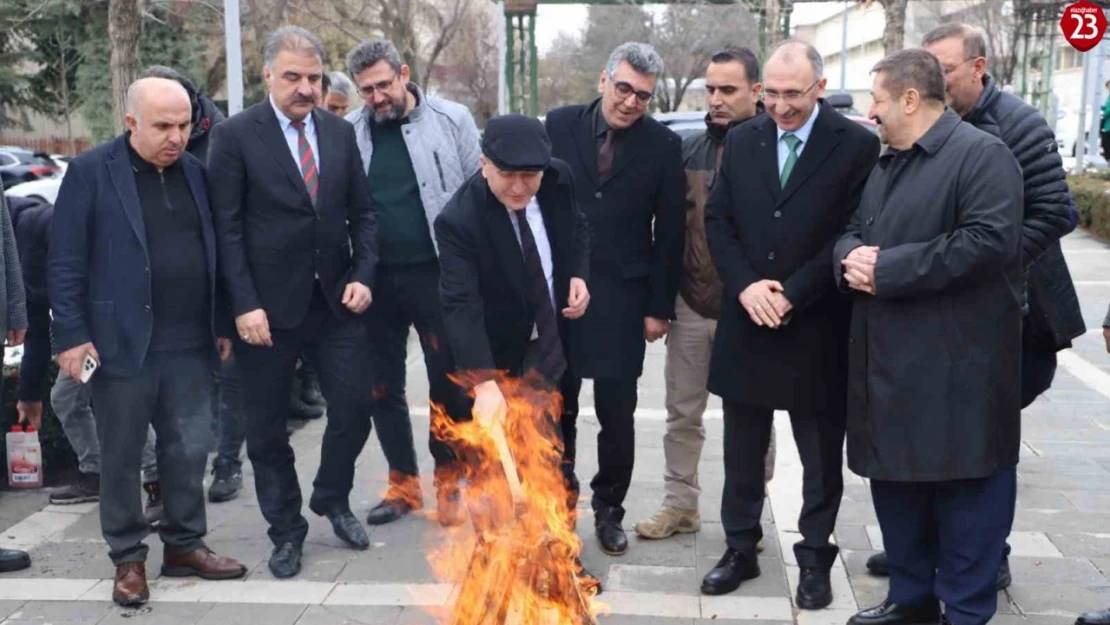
(508, 464)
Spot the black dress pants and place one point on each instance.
(819, 434)
(341, 352)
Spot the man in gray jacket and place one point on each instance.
(417, 150)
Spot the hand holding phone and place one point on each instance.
(88, 367)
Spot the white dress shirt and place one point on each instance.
(292, 140)
(543, 246)
(801, 133)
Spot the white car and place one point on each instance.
(45, 189)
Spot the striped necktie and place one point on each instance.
(307, 161)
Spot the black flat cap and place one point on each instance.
(516, 143)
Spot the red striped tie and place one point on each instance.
(307, 162)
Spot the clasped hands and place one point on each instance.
(859, 268)
(766, 304)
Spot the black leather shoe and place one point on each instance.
(310, 389)
(286, 560)
(814, 589)
(348, 529)
(876, 565)
(1097, 617)
(734, 567)
(1004, 577)
(889, 613)
(388, 511)
(610, 534)
(13, 560)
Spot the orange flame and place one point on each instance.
(517, 562)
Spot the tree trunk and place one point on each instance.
(66, 105)
(894, 34)
(125, 26)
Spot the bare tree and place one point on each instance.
(894, 33)
(687, 35)
(564, 78)
(125, 27)
(467, 72)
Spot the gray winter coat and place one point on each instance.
(443, 144)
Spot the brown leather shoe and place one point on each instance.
(201, 563)
(130, 588)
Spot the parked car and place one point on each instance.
(45, 189)
(22, 165)
(1067, 129)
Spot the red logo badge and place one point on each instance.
(1083, 25)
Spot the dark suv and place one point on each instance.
(21, 165)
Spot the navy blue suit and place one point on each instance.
(99, 266)
(102, 279)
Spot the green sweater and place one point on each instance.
(403, 236)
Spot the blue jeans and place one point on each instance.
(229, 422)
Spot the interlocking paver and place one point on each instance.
(1060, 563)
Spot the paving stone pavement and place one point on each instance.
(1061, 542)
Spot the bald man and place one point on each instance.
(132, 274)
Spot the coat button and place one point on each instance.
(777, 214)
(597, 195)
(147, 308)
(771, 256)
(870, 220)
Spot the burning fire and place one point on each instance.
(517, 564)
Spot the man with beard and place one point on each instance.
(628, 181)
(416, 151)
(732, 87)
(787, 184)
(1052, 316)
(933, 257)
(298, 245)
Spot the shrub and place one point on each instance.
(1093, 201)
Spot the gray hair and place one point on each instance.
(341, 84)
(975, 43)
(787, 49)
(914, 69)
(642, 57)
(293, 39)
(370, 53)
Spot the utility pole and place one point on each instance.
(844, 50)
(234, 49)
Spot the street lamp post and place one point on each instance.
(234, 49)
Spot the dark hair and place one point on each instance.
(325, 84)
(741, 55)
(909, 69)
(369, 53)
(975, 44)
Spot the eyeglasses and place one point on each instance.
(624, 90)
(789, 96)
(382, 86)
(949, 70)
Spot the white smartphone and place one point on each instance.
(88, 368)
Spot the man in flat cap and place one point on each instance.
(514, 253)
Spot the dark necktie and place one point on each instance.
(605, 154)
(307, 161)
(552, 363)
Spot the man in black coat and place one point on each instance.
(630, 183)
(1052, 317)
(787, 183)
(933, 256)
(297, 237)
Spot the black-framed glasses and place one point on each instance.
(382, 86)
(625, 89)
(788, 96)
